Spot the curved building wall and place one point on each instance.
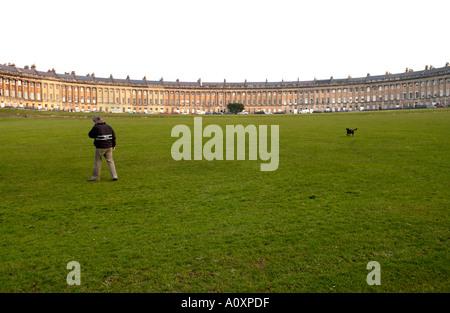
(29, 88)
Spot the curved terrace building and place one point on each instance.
(30, 88)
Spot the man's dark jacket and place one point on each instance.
(104, 136)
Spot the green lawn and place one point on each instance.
(334, 204)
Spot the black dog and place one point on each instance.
(351, 131)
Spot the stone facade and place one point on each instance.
(30, 88)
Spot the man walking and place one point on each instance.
(105, 143)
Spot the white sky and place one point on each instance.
(233, 39)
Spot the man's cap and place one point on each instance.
(96, 118)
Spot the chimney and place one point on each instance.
(33, 67)
(26, 67)
(73, 73)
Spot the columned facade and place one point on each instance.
(29, 88)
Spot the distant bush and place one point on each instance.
(235, 107)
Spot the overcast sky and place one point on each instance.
(233, 40)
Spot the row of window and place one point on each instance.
(239, 94)
(56, 86)
(145, 101)
(26, 96)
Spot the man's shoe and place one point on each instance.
(93, 179)
(114, 179)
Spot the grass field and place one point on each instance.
(334, 204)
